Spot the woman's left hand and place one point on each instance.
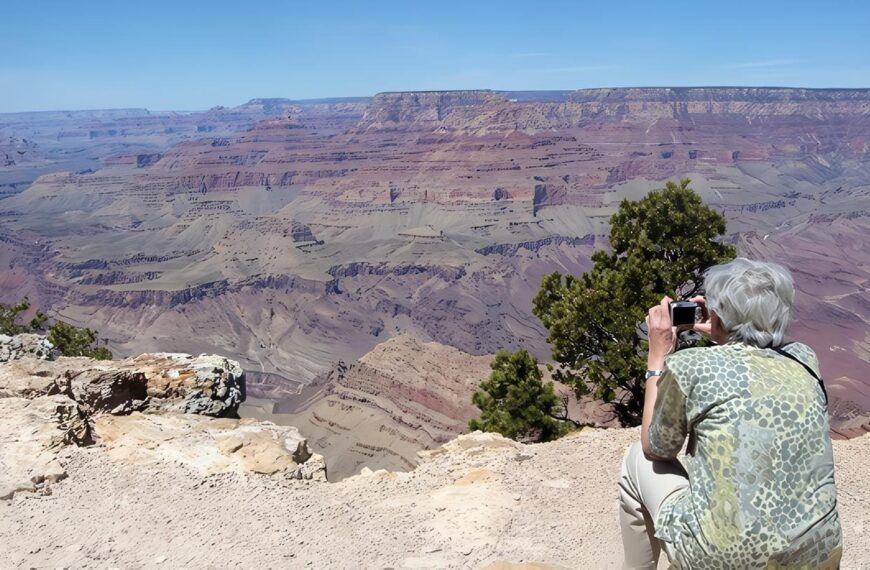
(662, 334)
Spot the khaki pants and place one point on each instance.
(643, 487)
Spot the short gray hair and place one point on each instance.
(753, 299)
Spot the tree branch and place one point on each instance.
(563, 417)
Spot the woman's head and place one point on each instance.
(752, 300)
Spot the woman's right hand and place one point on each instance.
(704, 327)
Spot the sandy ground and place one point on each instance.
(552, 503)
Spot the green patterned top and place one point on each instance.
(761, 470)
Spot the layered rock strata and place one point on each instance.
(404, 396)
(325, 230)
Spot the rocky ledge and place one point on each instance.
(476, 503)
(150, 409)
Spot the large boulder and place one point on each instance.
(100, 387)
(209, 445)
(96, 385)
(207, 384)
(22, 345)
(33, 434)
(46, 405)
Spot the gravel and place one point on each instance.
(550, 503)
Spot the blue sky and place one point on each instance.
(186, 55)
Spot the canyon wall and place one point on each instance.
(320, 230)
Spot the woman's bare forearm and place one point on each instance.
(649, 402)
(662, 337)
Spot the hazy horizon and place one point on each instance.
(368, 96)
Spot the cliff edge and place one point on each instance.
(152, 410)
(179, 489)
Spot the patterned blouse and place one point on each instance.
(761, 470)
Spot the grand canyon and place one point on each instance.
(363, 258)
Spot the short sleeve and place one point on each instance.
(667, 431)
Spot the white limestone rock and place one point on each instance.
(24, 345)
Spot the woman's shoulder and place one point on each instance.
(796, 347)
(804, 353)
(691, 361)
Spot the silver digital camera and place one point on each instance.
(684, 313)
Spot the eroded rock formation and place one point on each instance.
(404, 396)
(34, 433)
(206, 384)
(329, 227)
(48, 405)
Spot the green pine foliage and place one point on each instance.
(515, 402)
(9, 317)
(73, 341)
(660, 245)
(67, 339)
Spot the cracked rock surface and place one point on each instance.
(48, 408)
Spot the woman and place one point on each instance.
(758, 487)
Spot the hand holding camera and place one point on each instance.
(662, 334)
(701, 323)
(665, 320)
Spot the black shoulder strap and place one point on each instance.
(802, 363)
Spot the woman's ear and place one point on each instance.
(717, 330)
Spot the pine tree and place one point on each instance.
(67, 339)
(10, 314)
(73, 341)
(660, 245)
(515, 402)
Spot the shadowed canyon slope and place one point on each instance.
(326, 229)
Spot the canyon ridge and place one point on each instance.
(363, 258)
